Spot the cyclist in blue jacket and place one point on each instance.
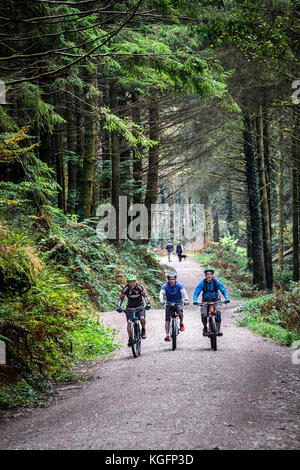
(174, 293)
(210, 287)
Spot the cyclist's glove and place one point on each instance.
(162, 303)
(119, 309)
(195, 303)
(227, 301)
(148, 306)
(186, 302)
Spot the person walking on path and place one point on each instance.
(210, 287)
(174, 292)
(179, 251)
(170, 249)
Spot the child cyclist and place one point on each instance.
(174, 293)
(210, 287)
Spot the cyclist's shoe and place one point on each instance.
(144, 336)
(219, 332)
(181, 327)
(167, 338)
(205, 332)
(129, 344)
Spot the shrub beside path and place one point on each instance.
(243, 396)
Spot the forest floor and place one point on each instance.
(243, 396)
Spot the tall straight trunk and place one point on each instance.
(280, 196)
(115, 160)
(89, 160)
(266, 143)
(59, 158)
(216, 228)
(208, 224)
(264, 205)
(249, 246)
(72, 165)
(229, 210)
(105, 189)
(152, 176)
(295, 195)
(137, 164)
(253, 200)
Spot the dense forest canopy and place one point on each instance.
(108, 109)
(179, 102)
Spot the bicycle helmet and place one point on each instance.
(171, 275)
(209, 268)
(130, 277)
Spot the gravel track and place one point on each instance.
(243, 396)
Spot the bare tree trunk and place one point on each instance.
(137, 163)
(115, 161)
(279, 196)
(88, 167)
(264, 205)
(295, 195)
(255, 217)
(59, 158)
(72, 166)
(152, 176)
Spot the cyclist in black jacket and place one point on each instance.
(135, 293)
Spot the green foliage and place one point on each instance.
(90, 339)
(20, 394)
(276, 315)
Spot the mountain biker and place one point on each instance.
(174, 293)
(210, 287)
(169, 248)
(179, 250)
(135, 294)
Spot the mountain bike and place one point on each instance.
(174, 327)
(135, 334)
(212, 324)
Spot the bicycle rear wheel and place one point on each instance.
(174, 334)
(213, 333)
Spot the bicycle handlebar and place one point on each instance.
(211, 302)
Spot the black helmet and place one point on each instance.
(171, 275)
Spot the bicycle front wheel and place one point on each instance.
(174, 334)
(213, 334)
(135, 335)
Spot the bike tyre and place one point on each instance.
(213, 334)
(174, 334)
(133, 340)
(138, 338)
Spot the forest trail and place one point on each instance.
(243, 396)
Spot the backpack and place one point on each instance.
(215, 289)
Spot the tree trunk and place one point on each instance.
(229, 210)
(105, 190)
(137, 163)
(264, 205)
(216, 229)
(88, 167)
(59, 158)
(279, 196)
(72, 165)
(255, 218)
(152, 176)
(115, 161)
(295, 196)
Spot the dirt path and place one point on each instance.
(243, 396)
